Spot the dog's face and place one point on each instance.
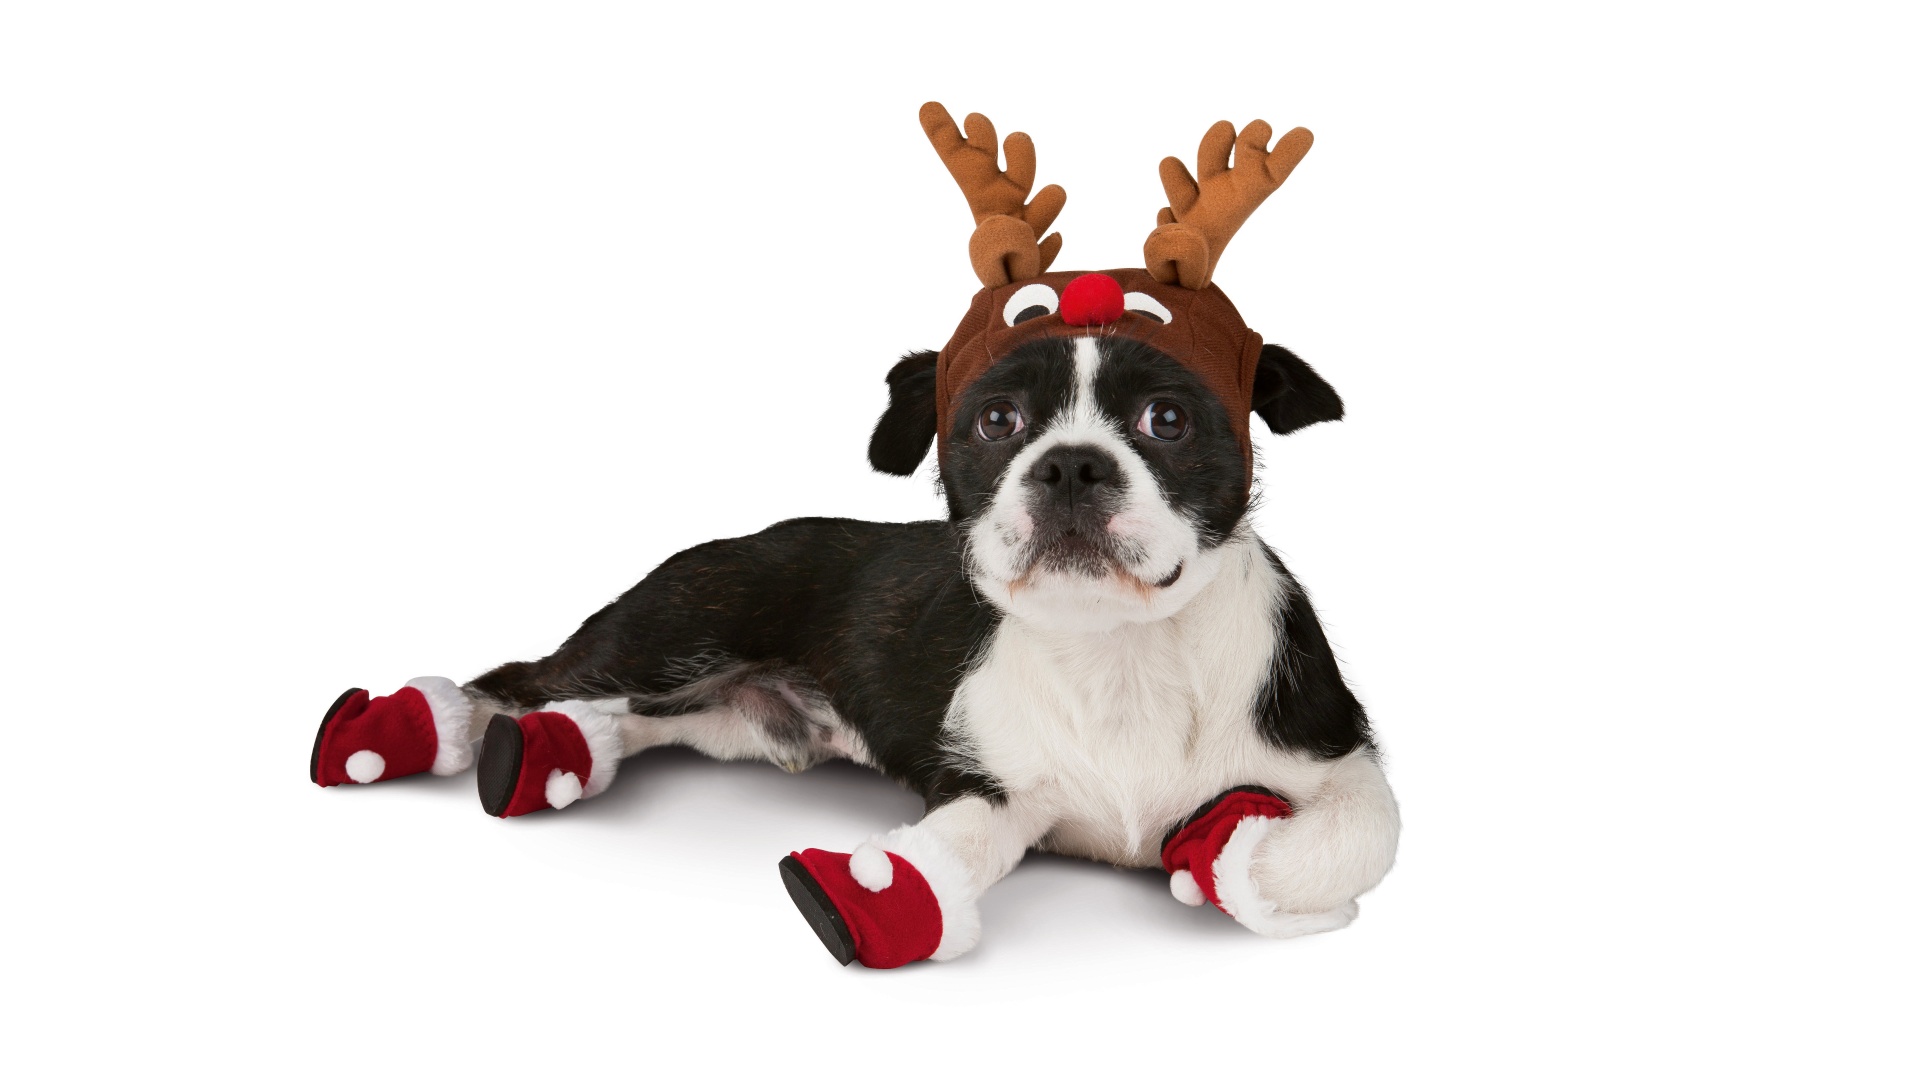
(1094, 477)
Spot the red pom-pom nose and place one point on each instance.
(1092, 300)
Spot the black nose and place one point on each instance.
(1072, 475)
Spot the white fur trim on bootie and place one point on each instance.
(602, 733)
(1240, 897)
(946, 875)
(452, 722)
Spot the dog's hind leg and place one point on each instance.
(538, 752)
(745, 712)
(532, 758)
(550, 757)
(703, 652)
(433, 725)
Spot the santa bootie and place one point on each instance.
(1211, 860)
(548, 759)
(879, 908)
(420, 728)
(1213, 851)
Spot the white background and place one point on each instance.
(357, 342)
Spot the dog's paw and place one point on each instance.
(548, 759)
(1237, 889)
(1219, 855)
(422, 727)
(896, 899)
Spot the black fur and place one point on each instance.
(906, 429)
(1305, 705)
(1202, 473)
(1038, 377)
(877, 619)
(1289, 395)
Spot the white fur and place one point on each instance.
(1114, 738)
(729, 735)
(452, 723)
(871, 867)
(365, 766)
(1108, 713)
(1122, 734)
(563, 789)
(1086, 367)
(1155, 538)
(602, 733)
(1115, 710)
(721, 733)
(1241, 897)
(1338, 844)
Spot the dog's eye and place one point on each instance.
(1141, 304)
(1030, 302)
(1164, 420)
(1000, 420)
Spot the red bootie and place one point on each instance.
(1193, 852)
(422, 727)
(1211, 859)
(547, 759)
(876, 907)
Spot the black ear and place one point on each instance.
(906, 429)
(1289, 395)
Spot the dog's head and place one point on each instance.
(1093, 427)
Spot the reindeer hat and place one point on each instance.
(1172, 304)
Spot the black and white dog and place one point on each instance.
(1085, 657)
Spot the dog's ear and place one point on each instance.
(906, 429)
(1289, 395)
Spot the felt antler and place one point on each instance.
(1003, 248)
(1203, 216)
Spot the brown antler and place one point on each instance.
(1004, 248)
(1203, 216)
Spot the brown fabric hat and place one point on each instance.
(1204, 333)
(1202, 330)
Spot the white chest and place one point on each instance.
(1117, 736)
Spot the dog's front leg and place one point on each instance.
(913, 894)
(1289, 864)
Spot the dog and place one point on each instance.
(1092, 655)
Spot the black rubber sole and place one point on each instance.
(313, 763)
(819, 911)
(500, 755)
